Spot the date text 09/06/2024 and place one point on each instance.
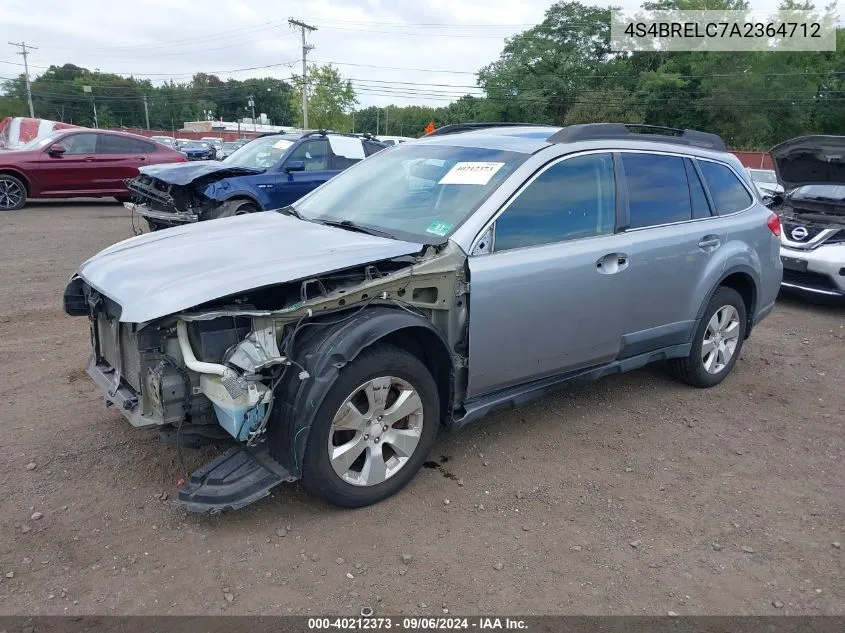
(416, 623)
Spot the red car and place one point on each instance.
(77, 162)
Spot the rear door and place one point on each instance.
(551, 296)
(119, 158)
(672, 237)
(75, 170)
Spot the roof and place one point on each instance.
(531, 138)
(526, 139)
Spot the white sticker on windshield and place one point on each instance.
(470, 174)
(347, 146)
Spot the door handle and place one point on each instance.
(709, 242)
(90, 159)
(612, 263)
(140, 158)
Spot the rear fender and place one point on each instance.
(323, 350)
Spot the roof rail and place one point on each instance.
(454, 128)
(622, 131)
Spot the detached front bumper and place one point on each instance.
(820, 271)
(167, 217)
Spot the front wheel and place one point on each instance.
(373, 430)
(12, 193)
(717, 342)
(232, 207)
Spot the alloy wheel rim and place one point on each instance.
(10, 194)
(375, 431)
(720, 339)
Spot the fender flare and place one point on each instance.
(738, 268)
(323, 353)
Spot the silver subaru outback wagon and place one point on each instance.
(432, 283)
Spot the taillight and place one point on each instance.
(774, 224)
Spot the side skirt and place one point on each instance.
(514, 397)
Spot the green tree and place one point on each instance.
(330, 99)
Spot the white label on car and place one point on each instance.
(470, 173)
(347, 146)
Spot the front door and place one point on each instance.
(75, 170)
(295, 184)
(551, 295)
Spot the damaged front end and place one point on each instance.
(250, 368)
(169, 195)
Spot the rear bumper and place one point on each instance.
(820, 271)
(168, 217)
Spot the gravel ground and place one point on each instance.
(633, 495)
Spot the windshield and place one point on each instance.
(262, 152)
(42, 142)
(195, 144)
(827, 192)
(419, 193)
(764, 176)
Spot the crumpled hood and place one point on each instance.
(810, 160)
(187, 173)
(157, 274)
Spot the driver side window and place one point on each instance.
(79, 144)
(315, 155)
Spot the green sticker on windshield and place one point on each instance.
(439, 228)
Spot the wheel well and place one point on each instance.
(744, 285)
(425, 345)
(20, 177)
(244, 198)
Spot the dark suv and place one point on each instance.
(269, 172)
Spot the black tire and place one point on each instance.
(232, 207)
(122, 199)
(691, 369)
(318, 476)
(12, 193)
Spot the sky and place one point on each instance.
(398, 52)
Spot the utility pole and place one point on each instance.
(25, 52)
(251, 104)
(377, 113)
(386, 117)
(305, 48)
(146, 112)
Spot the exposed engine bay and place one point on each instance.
(222, 365)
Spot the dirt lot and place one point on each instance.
(633, 495)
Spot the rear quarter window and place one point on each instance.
(728, 193)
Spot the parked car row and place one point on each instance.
(333, 339)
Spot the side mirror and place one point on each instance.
(57, 150)
(295, 165)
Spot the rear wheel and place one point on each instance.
(717, 342)
(233, 207)
(373, 430)
(12, 193)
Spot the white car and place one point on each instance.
(394, 140)
(766, 181)
(812, 170)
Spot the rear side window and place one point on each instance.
(113, 144)
(572, 199)
(729, 195)
(700, 206)
(372, 148)
(658, 192)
